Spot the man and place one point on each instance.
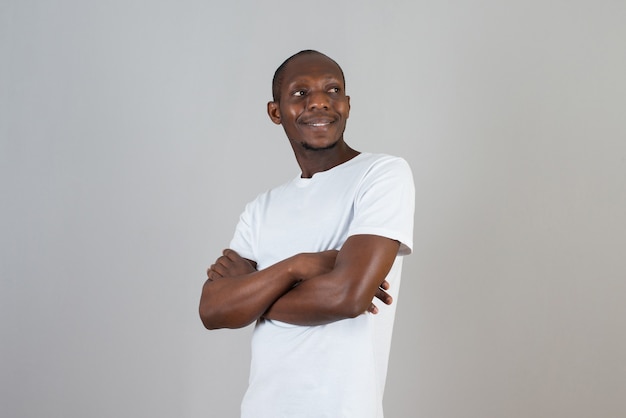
(309, 257)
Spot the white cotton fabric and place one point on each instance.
(339, 369)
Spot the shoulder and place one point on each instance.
(381, 160)
(386, 165)
(261, 199)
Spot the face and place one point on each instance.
(313, 107)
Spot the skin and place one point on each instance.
(308, 288)
(313, 110)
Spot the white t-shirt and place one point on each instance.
(339, 369)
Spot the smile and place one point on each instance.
(317, 122)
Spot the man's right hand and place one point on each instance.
(382, 295)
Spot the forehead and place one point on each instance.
(310, 67)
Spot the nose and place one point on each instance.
(318, 100)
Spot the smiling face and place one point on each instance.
(313, 107)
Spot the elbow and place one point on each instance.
(211, 322)
(207, 315)
(356, 310)
(211, 316)
(209, 325)
(217, 319)
(353, 305)
(208, 320)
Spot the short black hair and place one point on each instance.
(277, 81)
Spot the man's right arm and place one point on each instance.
(236, 294)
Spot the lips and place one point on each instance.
(317, 121)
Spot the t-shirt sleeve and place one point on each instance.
(243, 239)
(385, 203)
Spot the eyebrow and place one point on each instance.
(301, 78)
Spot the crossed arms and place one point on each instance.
(305, 289)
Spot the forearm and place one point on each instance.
(316, 301)
(236, 295)
(234, 302)
(345, 292)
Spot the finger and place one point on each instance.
(210, 270)
(372, 309)
(384, 285)
(231, 254)
(223, 261)
(384, 297)
(219, 269)
(212, 274)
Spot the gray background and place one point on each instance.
(133, 132)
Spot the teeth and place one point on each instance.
(319, 124)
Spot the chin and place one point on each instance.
(313, 147)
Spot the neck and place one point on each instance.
(316, 161)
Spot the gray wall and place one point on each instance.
(133, 132)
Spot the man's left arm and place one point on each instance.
(347, 291)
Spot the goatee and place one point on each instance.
(309, 147)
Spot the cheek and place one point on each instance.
(343, 107)
(290, 112)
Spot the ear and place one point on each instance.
(348, 97)
(273, 110)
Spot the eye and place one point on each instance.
(299, 93)
(334, 90)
